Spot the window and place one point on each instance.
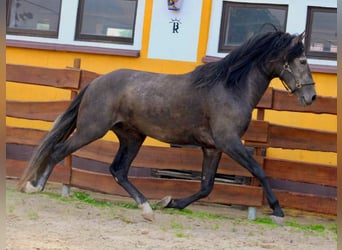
(112, 27)
(106, 21)
(242, 20)
(228, 28)
(321, 41)
(33, 18)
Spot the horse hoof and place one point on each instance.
(164, 202)
(29, 188)
(278, 220)
(149, 216)
(147, 211)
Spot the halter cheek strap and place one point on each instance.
(298, 85)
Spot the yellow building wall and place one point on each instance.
(325, 83)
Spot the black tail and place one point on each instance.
(63, 127)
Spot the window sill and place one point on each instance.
(327, 69)
(72, 48)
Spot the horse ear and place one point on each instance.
(301, 36)
(298, 39)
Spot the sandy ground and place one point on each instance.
(39, 221)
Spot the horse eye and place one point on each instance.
(303, 61)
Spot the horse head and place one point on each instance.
(294, 72)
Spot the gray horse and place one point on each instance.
(209, 107)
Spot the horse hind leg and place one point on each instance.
(79, 139)
(129, 147)
(211, 159)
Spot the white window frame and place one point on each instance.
(67, 29)
(296, 21)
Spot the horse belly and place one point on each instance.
(174, 132)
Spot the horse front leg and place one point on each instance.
(240, 154)
(211, 159)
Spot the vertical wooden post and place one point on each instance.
(68, 159)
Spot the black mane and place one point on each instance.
(255, 51)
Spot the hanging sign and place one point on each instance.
(174, 4)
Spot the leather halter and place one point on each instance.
(298, 85)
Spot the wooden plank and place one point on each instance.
(170, 158)
(158, 188)
(230, 167)
(161, 158)
(44, 111)
(236, 194)
(257, 132)
(59, 78)
(146, 171)
(307, 202)
(301, 171)
(100, 150)
(24, 136)
(300, 138)
(15, 168)
(322, 105)
(19, 151)
(18, 156)
(266, 100)
(87, 77)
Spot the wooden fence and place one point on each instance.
(160, 171)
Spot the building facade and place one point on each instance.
(167, 37)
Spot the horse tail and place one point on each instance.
(62, 128)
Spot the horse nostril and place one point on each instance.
(313, 97)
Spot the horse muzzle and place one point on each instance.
(306, 94)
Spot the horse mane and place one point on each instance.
(255, 51)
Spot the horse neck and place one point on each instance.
(255, 85)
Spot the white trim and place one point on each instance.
(67, 23)
(322, 62)
(67, 29)
(296, 21)
(181, 45)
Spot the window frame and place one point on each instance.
(296, 24)
(66, 37)
(226, 5)
(31, 32)
(97, 38)
(317, 54)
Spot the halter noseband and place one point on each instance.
(299, 85)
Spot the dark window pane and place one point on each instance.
(34, 17)
(322, 33)
(103, 20)
(241, 21)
